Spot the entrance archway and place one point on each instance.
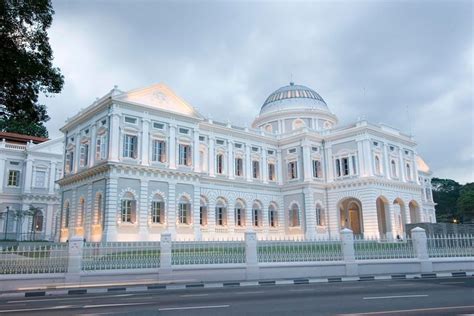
(350, 215)
(383, 218)
(414, 212)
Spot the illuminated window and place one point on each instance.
(157, 210)
(185, 155)
(184, 208)
(128, 208)
(272, 216)
(294, 216)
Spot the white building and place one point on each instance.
(29, 167)
(143, 162)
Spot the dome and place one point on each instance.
(293, 97)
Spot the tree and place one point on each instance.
(26, 65)
(445, 194)
(465, 203)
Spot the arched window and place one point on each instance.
(298, 123)
(294, 215)
(320, 220)
(408, 170)
(221, 213)
(377, 165)
(98, 209)
(128, 209)
(184, 208)
(239, 214)
(203, 213)
(220, 163)
(157, 210)
(38, 220)
(268, 128)
(272, 216)
(82, 212)
(67, 211)
(394, 168)
(256, 215)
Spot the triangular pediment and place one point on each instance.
(159, 96)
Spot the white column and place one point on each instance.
(329, 164)
(92, 146)
(196, 156)
(368, 158)
(212, 157)
(402, 168)
(264, 166)
(171, 214)
(306, 162)
(172, 149)
(248, 163)
(196, 207)
(142, 215)
(114, 141)
(111, 209)
(230, 160)
(28, 175)
(361, 160)
(279, 167)
(310, 214)
(211, 217)
(386, 161)
(52, 177)
(77, 152)
(145, 141)
(2, 173)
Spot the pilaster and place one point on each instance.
(230, 160)
(310, 214)
(52, 177)
(92, 147)
(401, 163)
(196, 156)
(279, 167)
(143, 210)
(145, 141)
(264, 165)
(28, 175)
(248, 163)
(212, 157)
(110, 210)
(386, 160)
(114, 133)
(307, 177)
(172, 145)
(196, 207)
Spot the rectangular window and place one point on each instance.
(69, 161)
(255, 149)
(130, 146)
(270, 152)
(354, 165)
(317, 169)
(183, 213)
(220, 164)
(126, 211)
(130, 120)
(238, 217)
(157, 125)
(292, 170)
(203, 215)
(219, 142)
(220, 216)
(255, 169)
(272, 219)
(271, 172)
(345, 166)
(255, 218)
(40, 178)
(101, 147)
(13, 178)
(239, 167)
(158, 151)
(84, 158)
(183, 131)
(185, 155)
(157, 207)
(292, 151)
(202, 138)
(237, 145)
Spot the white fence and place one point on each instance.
(78, 258)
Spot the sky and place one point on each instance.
(407, 64)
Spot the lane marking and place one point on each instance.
(394, 296)
(254, 292)
(192, 307)
(114, 305)
(194, 295)
(70, 298)
(402, 311)
(301, 290)
(408, 284)
(37, 309)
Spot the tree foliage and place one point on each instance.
(454, 200)
(465, 202)
(26, 64)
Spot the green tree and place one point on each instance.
(465, 203)
(26, 65)
(445, 194)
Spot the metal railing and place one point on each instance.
(120, 255)
(451, 246)
(368, 248)
(207, 252)
(32, 259)
(299, 251)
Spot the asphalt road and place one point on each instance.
(450, 296)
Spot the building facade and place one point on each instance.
(29, 196)
(143, 162)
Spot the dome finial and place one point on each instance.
(292, 83)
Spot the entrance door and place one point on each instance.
(355, 221)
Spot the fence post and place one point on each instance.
(165, 270)
(420, 246)
(75, 249)
(348, 252)
(251, 258)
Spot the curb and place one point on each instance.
(228, 284)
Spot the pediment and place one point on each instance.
(159, 96)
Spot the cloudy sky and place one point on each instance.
(408, 64)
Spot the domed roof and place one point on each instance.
(293, 97)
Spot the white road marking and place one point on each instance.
(69, 298)
(254, 292)
(192, 307)
(403, 311)
(405, 284)
(113, 305)
(301, 290)
(447, 283)
(36, 309)
(394, 296)
(193, 295)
